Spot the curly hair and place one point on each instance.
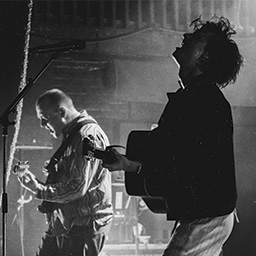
(222, 60)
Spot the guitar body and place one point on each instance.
(135, 184)
(135, 150)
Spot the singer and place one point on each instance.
(189, 158)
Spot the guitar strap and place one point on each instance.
(59, 153)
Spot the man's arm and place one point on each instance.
(123, 163)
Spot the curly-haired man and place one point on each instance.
(190, 157)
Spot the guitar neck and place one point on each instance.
(91, 151)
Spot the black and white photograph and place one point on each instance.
(128, 127)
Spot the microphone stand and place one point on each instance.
(4, 121)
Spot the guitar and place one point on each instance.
(21, 169)
(91, 151)
(135, 184)
(47, 207)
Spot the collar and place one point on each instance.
(198, 81)
(195, 84)
(68, 128)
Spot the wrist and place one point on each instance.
(139, 168)
(134, 167)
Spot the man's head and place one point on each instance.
(211, 51)
(55, 110)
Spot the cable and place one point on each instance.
(22, 85)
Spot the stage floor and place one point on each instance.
(133, 249)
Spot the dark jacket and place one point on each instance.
(191, 156)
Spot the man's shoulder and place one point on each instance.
(89, 126)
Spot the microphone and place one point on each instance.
(59, 47)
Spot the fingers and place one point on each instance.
(117, 165)
(113, 151)
(24, 179)
(46, 163)
(28, 183)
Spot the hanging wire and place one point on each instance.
(21, 86)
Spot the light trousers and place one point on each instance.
(202, 237)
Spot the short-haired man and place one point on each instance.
(79, 195)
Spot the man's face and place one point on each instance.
(192, 48)
(50, 120)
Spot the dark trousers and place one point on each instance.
(80, 241)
